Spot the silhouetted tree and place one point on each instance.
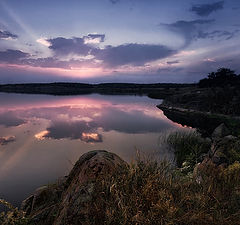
(222, 77)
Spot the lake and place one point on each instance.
(42, 136)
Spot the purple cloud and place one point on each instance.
(227, 35)
(49, 62)
(73, 130)
(94, 38)
(188, 29)
(109, 56)
(207, 9)
(7, 34)
(12, 56)
(64, 46)
(112, 56)
(9, 119)
(173, 62)
(75, 45)
(114, 1)
(134, 54)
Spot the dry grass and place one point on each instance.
(152, 193)
(13, 216)
(188, 147)
(149, 193)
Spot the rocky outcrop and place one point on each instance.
(67, 201)
(220, 132)
(225, 150)
(224, 146)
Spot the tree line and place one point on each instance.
(220, 78)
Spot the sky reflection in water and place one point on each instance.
(41, 137)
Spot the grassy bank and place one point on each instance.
(151, 193)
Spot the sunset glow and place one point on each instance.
(171, 43)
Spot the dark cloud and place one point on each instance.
(49, 62)
(7, 140)
(12, 56)
(22, 58)
(109, 56)
(134, 54)
(73, 130)
(201, 68)
(9, 119)
(7, 34)
(64, 46)
(92, 37)
(188, 29)
(207, 9)
(173, 62)
(114, 1)
(227, 35)
(169, 70)
(75, 45)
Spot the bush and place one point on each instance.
(188, 147)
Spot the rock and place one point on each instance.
(220, 131)
(43, 203)
(225, 150)
(66, 202)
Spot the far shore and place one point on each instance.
(161, 90)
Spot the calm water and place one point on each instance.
(41, 137)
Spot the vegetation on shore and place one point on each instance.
(161, 90)
(151, 192)
(218, 93)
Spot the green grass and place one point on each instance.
(189, 147)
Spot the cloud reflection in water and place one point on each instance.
(52, 131)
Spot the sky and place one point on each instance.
(140, 41)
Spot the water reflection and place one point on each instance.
(41, 137)
(6, 140)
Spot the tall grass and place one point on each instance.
(188, 147)
(152, 193)
(12, 216)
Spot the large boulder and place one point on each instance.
(225, 150)
(220, 131)
(67, 202)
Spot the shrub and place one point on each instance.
(188, 147)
